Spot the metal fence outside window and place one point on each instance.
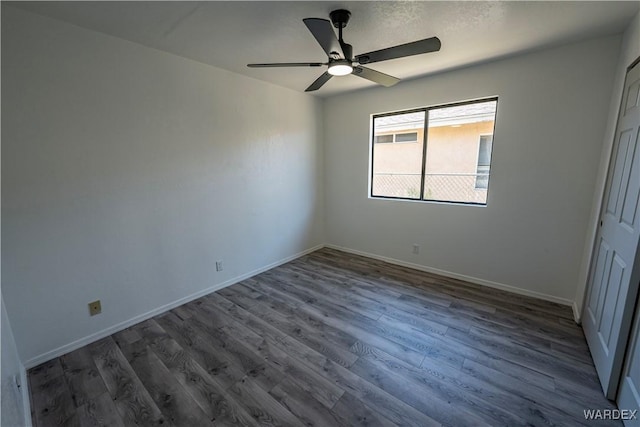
(448, 187)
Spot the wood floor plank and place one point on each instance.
(588, 396)
(356, 413)
(428, 316)
(263, 407)
(502, 299)
(99, 411)
(311, 294)
(270, 292)
(580, 354)
(494, 400)
(553, 406)
(265, 329)
(570, 341)
(328, 339)
(375, 398)
(41, 375)
(533, 359)
(431, 346)
(341, 276)
(311, 382)
(203, 388)
(374, 289)
(427, 391)
(361, 329)
(544, 344)
(335, 291)
(304, 328)
(495, 362)
(391, 277)
(51, 402)
(393, 408)
(379, 400)
(127, 336)
(244, 300)
(529, 321)
(217, 363)
(442, 284)
(170, 397)
(240, 354)
(304, 405)
(217, 320)
(131, 399)
(82, 376)
(487, 358)
(181, 312)
(470, 294)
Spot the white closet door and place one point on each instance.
(615, 272)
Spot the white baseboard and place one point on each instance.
(577, 316)
(488, 283)
(64, 349)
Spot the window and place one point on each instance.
(407, 137)
(397, 137)
(484, 161)
(384, 139)
(449, 161)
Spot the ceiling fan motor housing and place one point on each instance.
(340, 18)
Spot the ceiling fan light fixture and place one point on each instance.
(341, 67)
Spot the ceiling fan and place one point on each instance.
(340, 54)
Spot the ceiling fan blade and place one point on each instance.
(375, 76)
(322, 30)
(287, 64)
(400, 51)
(319, 82)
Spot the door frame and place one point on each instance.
(635, 323)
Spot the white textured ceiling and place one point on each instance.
(230, 34)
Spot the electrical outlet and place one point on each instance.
(219, 265)
(95, 308)
(416, 249)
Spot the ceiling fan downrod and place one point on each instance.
(340, 19)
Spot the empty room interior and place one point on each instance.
(435, 221)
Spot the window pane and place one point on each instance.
(407, 137)
(482, 177)
(397, 168)
(453, 155)
(484, 152)
(380, 139)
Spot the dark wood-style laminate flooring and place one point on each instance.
(332, 339)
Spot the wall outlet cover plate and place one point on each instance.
(95, 308)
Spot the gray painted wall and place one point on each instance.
(552, 112)
(127, 172)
